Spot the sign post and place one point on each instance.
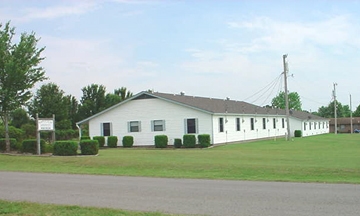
(44, 124)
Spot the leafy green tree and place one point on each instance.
(328, 111)
(19, 71)
(294, 101)
(357, 112)
(49, 100)
(92, 100)
(119, 95)
(73, 107)
(19, 117)
(123, 93)
(111, 99)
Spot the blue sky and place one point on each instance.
(213, 49)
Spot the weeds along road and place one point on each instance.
(183, 196)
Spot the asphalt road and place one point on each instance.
(183, 196)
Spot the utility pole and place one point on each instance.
(335, 114)
(286, 98)
(351, 120)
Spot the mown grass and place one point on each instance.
(324, 158)
(26, 208)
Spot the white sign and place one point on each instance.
(46, 125)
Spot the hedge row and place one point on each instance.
(13, 144)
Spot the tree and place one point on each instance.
(92, 101)
(19, 71)
(357, 112)
(49, 100)
(294, 101)
(19, 117)
(123, 93)
(328, 111)
(73, 107)
(119, 95)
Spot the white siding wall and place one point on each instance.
(146, 110)
(310, 131)
(230, 133)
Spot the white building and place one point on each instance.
(148, 114)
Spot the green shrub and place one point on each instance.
(204, 140)
(189, 141)
(100, 139)
(68, 134)
(29, 131)
(30, 146)
(65, 148)
(161, 141)
(298, 133)
(128, 141)
(177, 143)
(89, 147)
(13, 144)
(14, 132)
(85, 138)
(112, 141)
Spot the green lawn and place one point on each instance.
(25, 208)
(324, 158)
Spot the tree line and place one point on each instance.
(323, 111)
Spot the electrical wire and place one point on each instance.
(272, 85)
(266, 87)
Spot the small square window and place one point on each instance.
(134, 126)
(158, 125)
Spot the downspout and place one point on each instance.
(79, 131)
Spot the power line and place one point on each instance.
(266, 87)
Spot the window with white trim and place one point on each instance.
(106, 129)
(283, 122)
(134, 126)
(221, 124)
(158, 125)
(264, 123)
(252, 124)
(237, 124)
(274, 123)
(191, 126)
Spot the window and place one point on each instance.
(252, 126)
(283, 122)
(237, 124)
(310, 123)
(106, 129)
(221, 124)
(264, 123)
(158, 125)
(304, 126)
(191, 126)
(323, 125)
(134, 126)
(314, 125)
(274, 123)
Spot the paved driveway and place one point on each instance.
(183, 196)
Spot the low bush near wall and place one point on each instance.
(112, 141)
(177, 143)
(89, 147)
(65, 148)
(100, 139)
(204, 140)
(128, 141)
(30, 146)
(13, 144)
(85, 138)
(161, 141)
(189, 141)
(298, 133)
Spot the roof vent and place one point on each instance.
(182, 93)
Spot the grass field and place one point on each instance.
(324, 158)
(25, 208)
